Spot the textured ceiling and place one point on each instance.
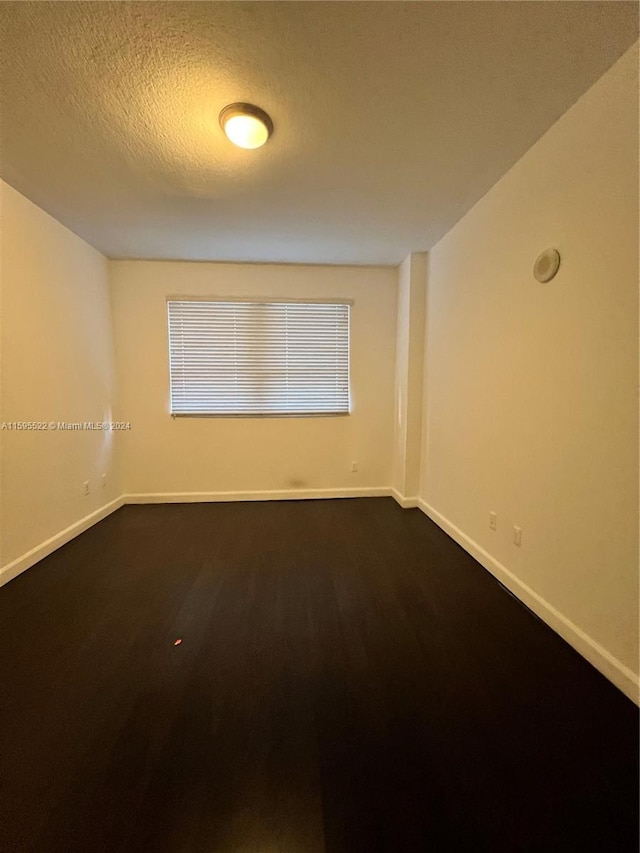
(391, 119)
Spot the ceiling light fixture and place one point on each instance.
(245, 125)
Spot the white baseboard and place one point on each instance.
(405, 503)
(613, 669)
(16, 567)
(267, 495)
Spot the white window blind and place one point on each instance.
(254, 358)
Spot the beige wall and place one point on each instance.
(162, 455)
(57, 365)
(533, 388)
(410, 329)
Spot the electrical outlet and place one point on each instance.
(354, 467)
(517, 535)
(86, 487)
(493, 521)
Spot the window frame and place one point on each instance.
(262, 300)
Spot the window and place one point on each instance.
(258, 358)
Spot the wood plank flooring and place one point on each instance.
(349, 680)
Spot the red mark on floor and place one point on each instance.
(177, 642)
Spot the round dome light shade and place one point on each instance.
(245, 125)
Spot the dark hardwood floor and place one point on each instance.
(349, 679)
